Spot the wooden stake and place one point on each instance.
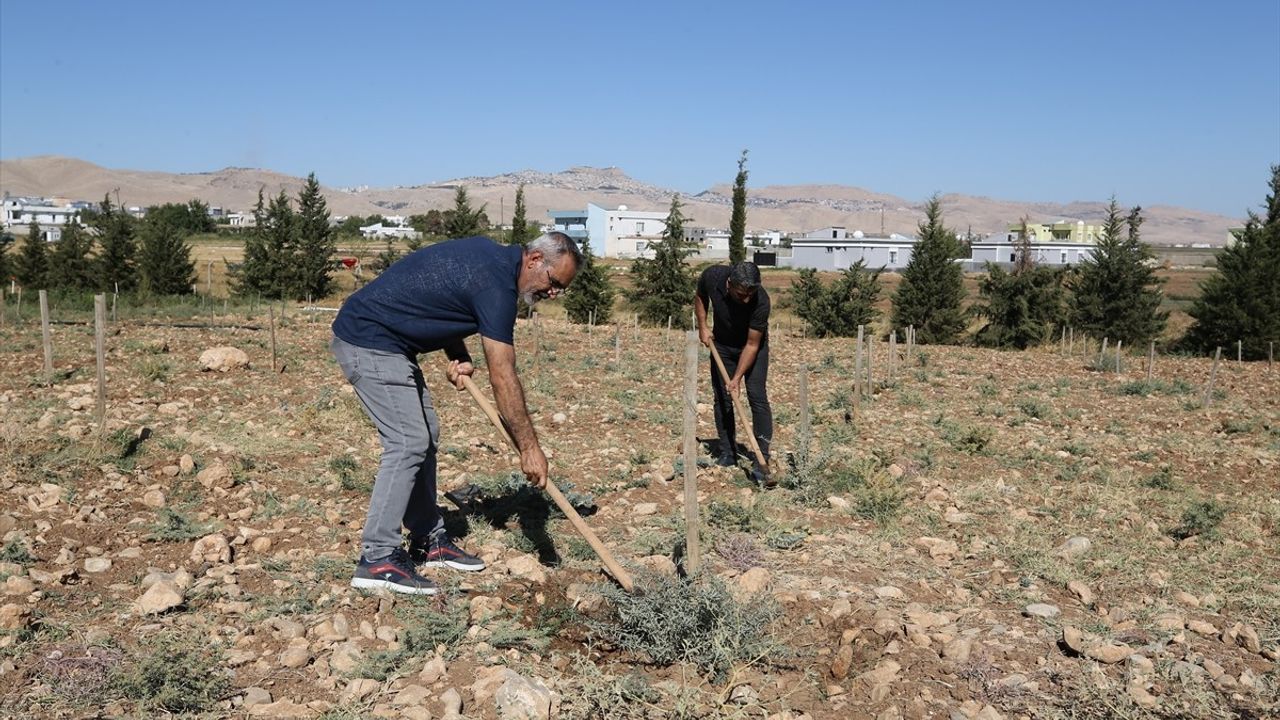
(1239, 351)
(1062, 344)
(99, 342)
(4, 307)
(1208, 387)
(114, 296)
(208, 284)
(857, 365)
(271, 320)
(44, 332)
(1151, 360)
(1271, 348)
(804, 405)
(1119, 344)
(693, 540)
(591, 321)
(1071, 342)
(558, 497)
(1102, 354)
(870, 353)
(893, 353)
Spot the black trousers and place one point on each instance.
(757, 397)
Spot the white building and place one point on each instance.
(241, 219)
(45, 211)
(716, 240)
(834, 249)
(378, 230)
(622, 232)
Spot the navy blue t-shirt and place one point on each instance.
(434, 296)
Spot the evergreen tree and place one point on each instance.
(838, 310)
(664, 285)
(6, 263)
(33, 264)
(269, 251)
(520, 231)
(316, 243)
(931, 294)
(1241, 300)
(1023, 308)
(1116, 293)
(462, 220)
(70, 267)
(114, 266)
(738, 220)
(591, 291)
(164, 259)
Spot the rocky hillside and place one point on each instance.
(789, 208)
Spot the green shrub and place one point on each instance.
(16, 551)
(697, 620)
(174, 674)
(1202, 519)
(174, 526)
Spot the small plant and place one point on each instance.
(739, 551)
(440, 621)
(16, 551)
(971, 439)
(174, 526)
(695, 620)
(348, 471)
(732, 516)
(1200, 519)
(1033, 408)
(880, 500)
(155, 369)
(1161, 479)
(174, 674)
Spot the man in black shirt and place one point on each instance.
(741, 334)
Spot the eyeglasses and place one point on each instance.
(555, 284)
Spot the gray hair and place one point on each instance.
(553, 246)
(745, 275)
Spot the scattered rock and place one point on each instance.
(359, 689)
(1106, 652)
(212, 548)
(346, 657)
(434, 670)
(660, 564)
(1075, 546)
(1187, 599)
(744, 695)
(153, 498)
(222, 359)
(643, 509)
(1200, 627)
(559, 418)
(1044, 611)
(161, 597)
(217, 475)
(295, 656)
(411, 695)
(451, 699)
(522, 698)
(838, 503)
(1141, 697)
(527, 567)
(281, 709)
(256, 696)
(958, 650)
(186, 464)
(1081, 591)
(754, 580)
(482, 608)
(888, 592)
(14, 617)
(844, 660)
(97, 564)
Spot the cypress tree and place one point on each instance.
(70, 267)
(269, 250)
(33, 263)
(807, 295)
(1116, 293)
(316, 243)
(520, 230)
(664, 285)
(931, 294)
(164, 259)
(1240, 301)
(591, 291)
(462, 220)
(114, 266)
(838, 310)
(1023, 308)
(738, 220)
(6, 263)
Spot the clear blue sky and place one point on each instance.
(1173, 103)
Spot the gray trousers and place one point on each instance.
(395, 396)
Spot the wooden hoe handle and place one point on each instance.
(560, 500)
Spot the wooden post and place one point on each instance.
(1208, 387)
(1271, 349)
(4, 306)
(617, 344)
(692, 542)
(18, 311)
(1071, 342)
(1102, 354)
(1151, 360)
(1119, 344)
(893, 353)
(1239, 351)
(99, 342)
(208, 283)
(271, 320)
(591, 321)
(870, 354)
(114, 296)
(667, 339)
(804, 406)
(857, 365)
(44, 332)
(1062, 344)
(911, 340)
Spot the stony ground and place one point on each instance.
(988, 534)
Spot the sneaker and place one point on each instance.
(442, 552)
(394, 572)
(727, 458)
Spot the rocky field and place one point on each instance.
(987, 535)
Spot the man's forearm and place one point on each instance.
(509, 394)
(700, 312)
(746, 360)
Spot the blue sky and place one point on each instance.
(1173, 103)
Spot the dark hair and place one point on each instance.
(745, 275)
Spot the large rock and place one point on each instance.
(14, 617)
(161, 597)
(527, 567)
(281, 709)
(754, 580)
(212, 548)
(222, 359)
(217, 475)
(522, 698)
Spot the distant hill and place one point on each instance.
(789, 208)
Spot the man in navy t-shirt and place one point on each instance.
(740, 306)
(431, 300)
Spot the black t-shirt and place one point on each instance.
(732, 318)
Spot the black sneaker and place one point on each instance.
(727, 458)
(395, 573)
(442, 552)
